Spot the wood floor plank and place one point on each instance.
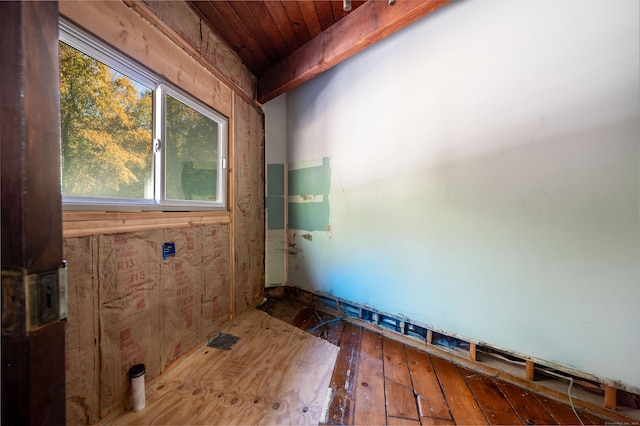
(435, 421)
(400, 401)
(494, 404)
(591, 419)
(395, 362)
(462, 403)
(344, 376)
(284, 309)
(305, 318)
(525, 404)
(369, 397)
(394, 421)
(562, 412)
(425, 384)
(331, 332)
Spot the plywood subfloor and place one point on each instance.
(275, 374)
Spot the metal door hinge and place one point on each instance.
(32, 301)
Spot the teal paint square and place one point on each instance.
(311, 180)
(275, 212)
(309, 216)
(275, 180)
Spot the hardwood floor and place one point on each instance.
(377, 381)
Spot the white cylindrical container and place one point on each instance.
(136, 373)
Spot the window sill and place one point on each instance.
(81, 223)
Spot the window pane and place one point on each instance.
(191, 164)
(106, 130)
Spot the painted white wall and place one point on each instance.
(275, 113)
(485, 178)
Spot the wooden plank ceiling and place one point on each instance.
(284, 43)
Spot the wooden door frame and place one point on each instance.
(33, 359)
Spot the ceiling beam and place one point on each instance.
(365, 26)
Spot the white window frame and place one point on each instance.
(85, 43)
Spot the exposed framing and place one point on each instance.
(367, 25)
(509, 365)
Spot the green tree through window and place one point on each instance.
(129, 139)
(191, 166)
(106, 129)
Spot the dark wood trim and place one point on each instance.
(365, 26)
(31, 202)
(33, 367)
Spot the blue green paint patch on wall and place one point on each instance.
(275, 180)
(310, 216)
(311, 180)
(275, 212)
(275, 202)
(307, 184)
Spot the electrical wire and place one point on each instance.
(571, 400)
(311, 330)
(561, 376)
(568, 392)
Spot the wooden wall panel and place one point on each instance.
(249, 206)
(122, 27)
(195, 33)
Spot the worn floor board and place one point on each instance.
(400, 401)
(344, 376)
(435, 421)
(395, 362)
(370, 397)
(306, 318)
(495, 405)
(332, 332)
(463, 405)
(593, 420)
(283, 309)
(395, 421)
(275, 374)
(526, 405)
(431, 402)
(563, 414)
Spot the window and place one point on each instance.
(129, 140)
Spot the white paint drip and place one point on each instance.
(325, 408)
